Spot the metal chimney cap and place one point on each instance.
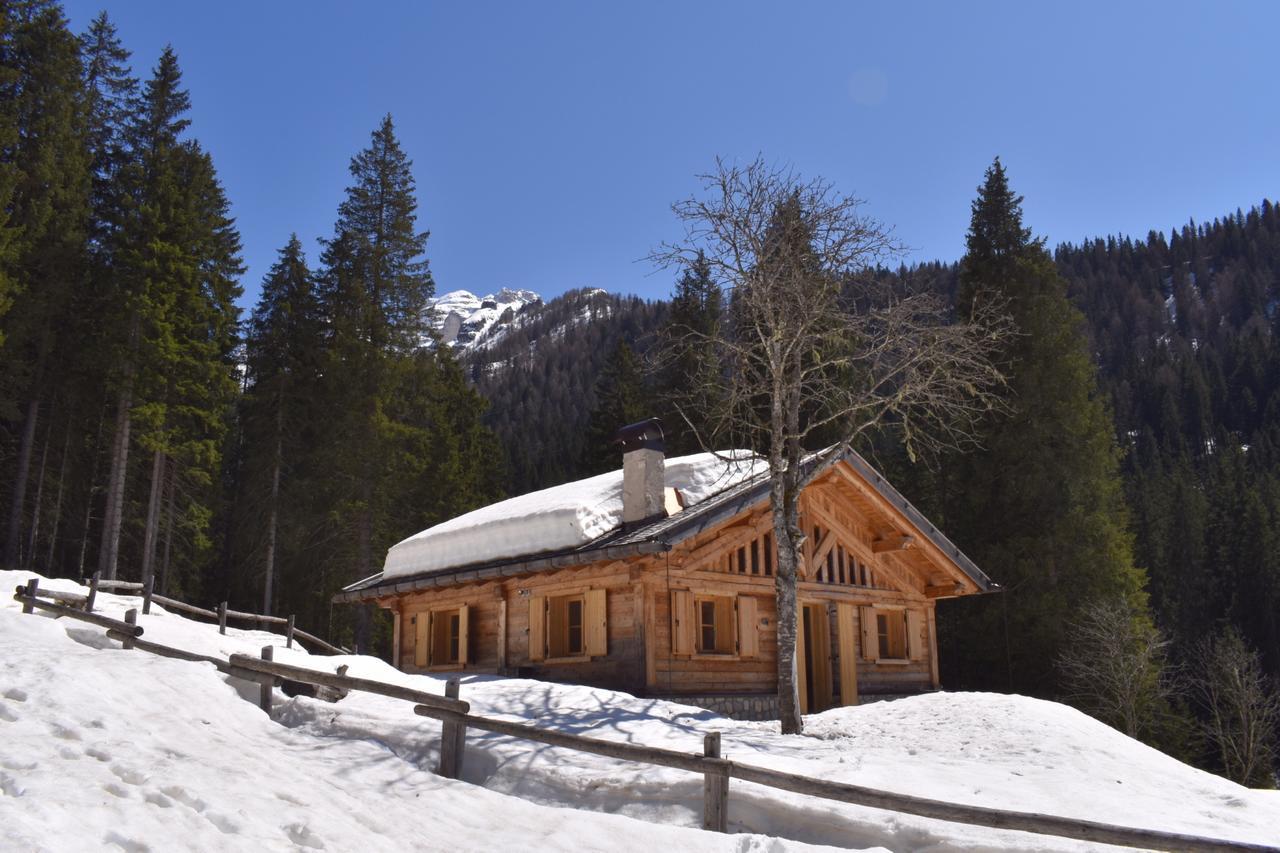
(644, 435)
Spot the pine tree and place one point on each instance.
(375, 288)
(622, 398)
(696, 311)
(49, 207)
(175, 258)
(283, 359)
(1040, 506)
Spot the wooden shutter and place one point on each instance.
(915, 635)
(870, 634)
(463, 612)
(846, 619)
(537, 628)
(683, 622)
(595, 623)
(422, 635)
(725, 627)
(748, 627)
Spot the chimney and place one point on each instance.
(643, 480)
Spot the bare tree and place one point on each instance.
(816, 351)
(1241, 708)
(1115, 667)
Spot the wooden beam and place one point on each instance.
(820, 553)
(936, 554)
(900, 542)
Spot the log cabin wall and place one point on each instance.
(499, 626)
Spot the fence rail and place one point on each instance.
(221, 614)
(456, 718)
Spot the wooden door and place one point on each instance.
(814, 658)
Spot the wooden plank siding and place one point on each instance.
(857, 557)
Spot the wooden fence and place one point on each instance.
(220, 615)
(716, 770)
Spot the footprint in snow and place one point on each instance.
(100, 754)
(64, 732)
(225, 825)
(116, 791)
(128, 774)
(7, 714)
(158, 799)
(301, 834)
(185, 797)
(16, 694)
(126, 844)
(9, 786)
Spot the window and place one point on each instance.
(440, 637)
(564, 626)
(714, 624)
(892, 634)
(570, 626)
(891, 629)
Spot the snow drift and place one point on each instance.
(558, 518)
(105, 748)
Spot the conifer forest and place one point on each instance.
(1128, 489)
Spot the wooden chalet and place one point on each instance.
(679, 601)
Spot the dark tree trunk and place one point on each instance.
(273, 510)
(13, 539)
(57, 499)
(169, 508)
(152, 531)
(108, 554)
(93, 490)
(33, 536)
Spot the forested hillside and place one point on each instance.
(147, 431)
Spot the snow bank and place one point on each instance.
(103, 748)
(557, 518)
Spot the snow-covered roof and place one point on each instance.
(559, 518)
(526, 529)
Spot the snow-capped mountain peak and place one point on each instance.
(465, 320)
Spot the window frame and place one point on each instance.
(558, 641)
(724, 625)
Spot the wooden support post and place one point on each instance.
(33, 587)
(146, 595)
(132, 618)
(222, 617)
(453, 736)
(715, 789)
(288, 633)
(93, 592)
(267, 683)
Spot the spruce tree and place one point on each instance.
(1040, 505)
(696, 311)
(621, 398)
(48, 206)
(283, 359)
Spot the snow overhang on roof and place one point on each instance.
(656, 537)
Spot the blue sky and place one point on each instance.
(550, 138)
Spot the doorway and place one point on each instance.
(814, 659)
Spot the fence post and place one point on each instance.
(222, 617)
(93, 592)
(265, 686)
(33, 587)
(453, 735)
(715, 789)
(146, 595)
(288, 633)
(131, 616)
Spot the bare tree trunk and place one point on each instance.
(784, 499)
(273, 511)
(57, 500)
(153, 515)
(108, 554)
(13, 539)
(93, 488)
(168, 526)
(28, 558)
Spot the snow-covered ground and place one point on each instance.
(102, 748)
